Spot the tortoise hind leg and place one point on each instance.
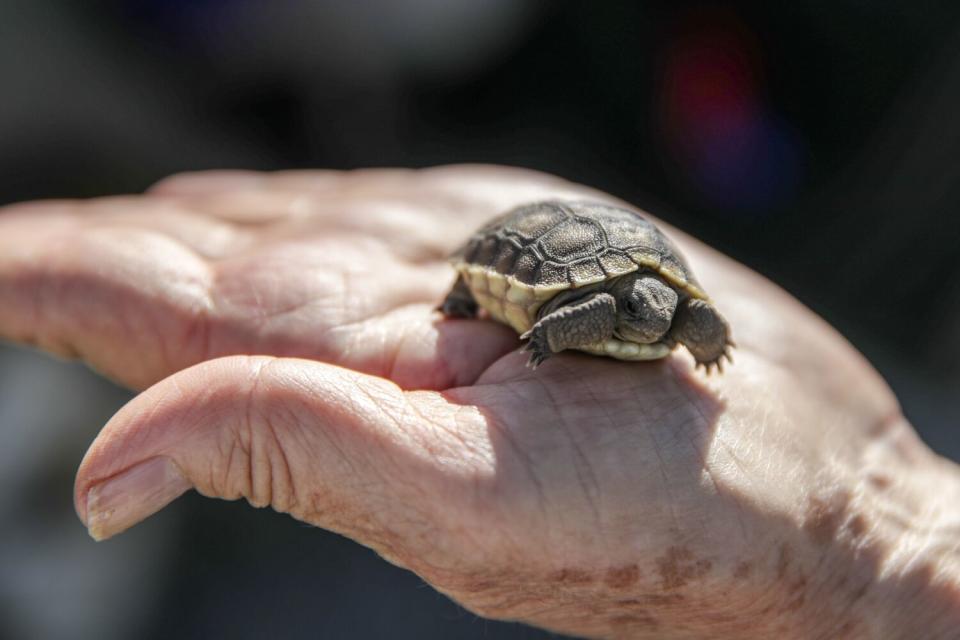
(459, 303)
(703, 331)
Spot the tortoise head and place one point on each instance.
(645, 307)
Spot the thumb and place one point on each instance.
(335, 448)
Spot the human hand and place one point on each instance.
(592, 496)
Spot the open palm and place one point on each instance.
(287, 325)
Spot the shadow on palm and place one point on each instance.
(587, 436)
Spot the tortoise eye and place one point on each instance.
(631, 306)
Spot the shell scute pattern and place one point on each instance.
(586, 271)
(572, 240)
(549, 244)
(526, 267)
(616, 262)
(508, 253)
(530, 223)
(524, 257)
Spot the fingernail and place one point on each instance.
(120, 502)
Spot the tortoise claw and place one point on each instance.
(536, 358)
(535, 361)
(709, 366)
(536, 345)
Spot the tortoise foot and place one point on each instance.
(454, 307)
(537, 345)
(717, 363)
(459, 303)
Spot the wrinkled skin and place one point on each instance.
(787, 496)
(645, 307)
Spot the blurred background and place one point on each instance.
(819, 144)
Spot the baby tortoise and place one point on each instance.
(587, 276)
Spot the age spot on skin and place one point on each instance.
(797, 586)
(678, 567)
(743, 570)
(879, 480)
(824, 517)
(573, 576)
(622, 577)
(858, 526)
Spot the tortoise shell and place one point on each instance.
(521, 259)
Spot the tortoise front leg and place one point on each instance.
(589, 321)
(459, 303)
(699, 326)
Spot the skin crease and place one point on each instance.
(593, 497)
